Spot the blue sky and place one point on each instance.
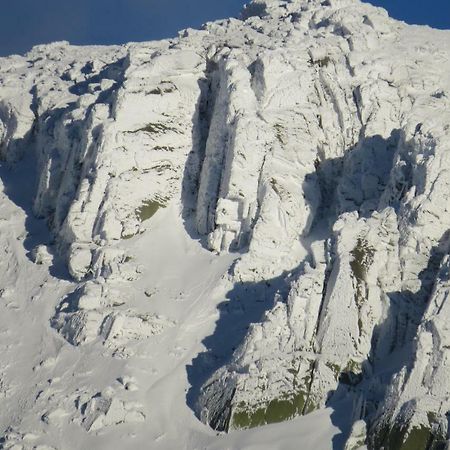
(24, 23)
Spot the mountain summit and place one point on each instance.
(237, 227)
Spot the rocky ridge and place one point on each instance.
(310, 138)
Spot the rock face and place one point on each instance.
(310, 137)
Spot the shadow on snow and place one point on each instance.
(346, 181)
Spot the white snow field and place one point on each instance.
(234, 239)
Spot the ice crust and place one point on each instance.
(308, 139)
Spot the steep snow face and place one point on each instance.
(305, 144)
(345, 203)
(348, 135)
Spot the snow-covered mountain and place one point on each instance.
(232, 228)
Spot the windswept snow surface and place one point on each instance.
(45, 381)
(234, 239)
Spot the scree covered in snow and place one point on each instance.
(234, 239)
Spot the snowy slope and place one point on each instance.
(237, 227)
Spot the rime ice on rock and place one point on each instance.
(312, 139)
